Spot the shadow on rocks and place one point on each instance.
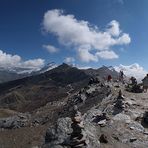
(144, 121)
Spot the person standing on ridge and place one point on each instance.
(121, 74)
(109, 78)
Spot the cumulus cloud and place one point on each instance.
(50, 48)
(8, 61)
(106, 54)
(35, 64)
(85, 55)
(114, 28)
(132, 70)
(79, 33)
(69, 60)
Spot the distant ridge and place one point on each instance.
(103, 72)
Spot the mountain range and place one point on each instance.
(30, 91)
(18, 73)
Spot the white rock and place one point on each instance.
(102, 122)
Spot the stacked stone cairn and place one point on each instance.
(77, 138)
(119, 104)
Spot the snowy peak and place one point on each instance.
(48, 67)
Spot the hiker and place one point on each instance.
(145, 83)
(121, 76)
(109, 78)
(133, 80)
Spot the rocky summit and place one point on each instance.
(71, 108)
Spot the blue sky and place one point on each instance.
(25, 32)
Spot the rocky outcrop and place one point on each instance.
(88, 96)
(16, 121)
(71, 132)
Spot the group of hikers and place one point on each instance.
(121, 77)
(133, 80)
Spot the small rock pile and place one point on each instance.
(77, 138)
(120, 101)
(74, 132)
(94, 80)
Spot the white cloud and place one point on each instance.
(132, 70)
(50, 48)
(114, 28)
(79, 33)
(85, 55)
(124, 39)
(34, 64)
(8, 61)
(69, 60)
(83, 67)
(106, 54)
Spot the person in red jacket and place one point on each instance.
(109, 78)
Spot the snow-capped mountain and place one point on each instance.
(10, 74)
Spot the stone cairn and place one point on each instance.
(77, 138)
(119, 104)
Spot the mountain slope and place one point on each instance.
(18, 72)
(6, 76)
(32, 92)
(103, 72)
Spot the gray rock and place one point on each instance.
(122, 117)
(140, 144)
(60, 133)
(136, 127)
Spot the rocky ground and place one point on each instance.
(119, 121)
(100, 115)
